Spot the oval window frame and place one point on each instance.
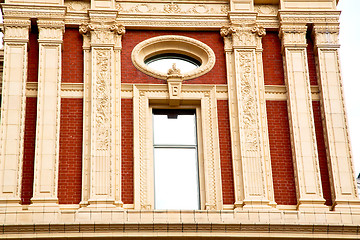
(173, 44)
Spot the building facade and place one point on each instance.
(251, 142)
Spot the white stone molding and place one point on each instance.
(173, 44)
(251, 161)
(302, 129)
(241, 5)
(12, 120)
(102, 109)
(308, 5)
(344, 194)
(48, 114)
(11, 10)
(209, 152)
(174, 81)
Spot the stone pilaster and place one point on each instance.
(335, 125)
(103, 108)
(251, 160)
(303, 139)
(13, 110)
(48, 113)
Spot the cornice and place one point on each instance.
(33, 11)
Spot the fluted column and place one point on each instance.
(335, 125)
(303, 139)
(13, 110)
(242, 47)
(46, 166)
(102, 183)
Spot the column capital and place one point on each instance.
(293, 35)
(326, 36)
(16, 30)
(245, 36)
(51, 30)
(103, 33)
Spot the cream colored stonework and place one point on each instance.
(242, 24)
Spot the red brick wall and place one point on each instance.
(325, 181)
(280, 150)
(225, 152)
(311, 61)
(72, 56)
(213, 39)
(127, 157)
(29, 151)
(33, 55)
(272, 58)
(70, 152)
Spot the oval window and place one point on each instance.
(163, 62)
(155, 56)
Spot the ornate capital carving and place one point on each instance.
(103, 32)
(326, 35)
(293, 35)
(51, 30)
(16, 30)
(244, 36)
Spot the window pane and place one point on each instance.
(163, 62)
(176, 178)
(173, 128)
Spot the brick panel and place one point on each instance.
(280, 150)
(29, 151)
(272, 59)
(70, 152)
(325, 181)
(33, 55)
(311, 61)
(213, 39)
(72, 56)
(225, 152)
(127, 156)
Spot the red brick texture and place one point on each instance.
(72, 56)
(280, 150)
(29, 151)
(325, 181)
(127, 155)
(213, 39)
(70, 152)
(33, 55)
(311, 61)
(272, 58)
(225, 152)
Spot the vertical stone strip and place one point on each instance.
(248, 140)
(103, 108)
(305, 156)
(48, 113)
(335, 125)
(13, 110)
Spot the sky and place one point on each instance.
(350, 66)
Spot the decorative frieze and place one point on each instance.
(326, 36)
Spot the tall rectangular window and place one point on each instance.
(175, 159)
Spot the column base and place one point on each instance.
(256, 204)
(347, 205)
(10, 204)
(101, 203)
(312, 205)
(44, 204)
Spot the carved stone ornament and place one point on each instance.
(102, 33)
(242, 36)
(51, 30)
